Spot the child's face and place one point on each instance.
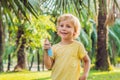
(66, 30)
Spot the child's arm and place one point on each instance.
(48, 61)
(86, 61)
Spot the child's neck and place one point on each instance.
(65, 42)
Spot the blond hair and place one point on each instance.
(74, 20)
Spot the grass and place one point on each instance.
(26, 75)
(104, 75)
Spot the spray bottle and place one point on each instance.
(49, 51)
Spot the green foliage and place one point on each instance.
(12, 7)
(76, 7)
(10, 38)
(88, 37)
(85, 39)
(89, 33)
(118, 59)
(41, 28)
(9, 49)
(37, 32)
(114, 41)
(34, 33)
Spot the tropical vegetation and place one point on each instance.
(24, 24)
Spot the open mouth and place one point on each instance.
(64, 33)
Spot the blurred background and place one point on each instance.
(25, 24)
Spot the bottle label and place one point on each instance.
(50, 52)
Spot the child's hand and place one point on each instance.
(84, 77)
(47, 44)
(47, 48)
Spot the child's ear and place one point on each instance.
(74, 33)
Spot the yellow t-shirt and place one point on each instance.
(67, 61)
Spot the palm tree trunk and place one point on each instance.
(1, 41)
(102, 61)
(43, 67)
(31, 63)
(1, 46)
(21, 41)
(9, 62)
(38, 60)
(21, 57)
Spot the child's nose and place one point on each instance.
(64, 28)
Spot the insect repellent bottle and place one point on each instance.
(49, 50)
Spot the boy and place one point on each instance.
(67, 54)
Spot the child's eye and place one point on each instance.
(68, 26)
(61, 25)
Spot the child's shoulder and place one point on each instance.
(78, 42)
(55, 45)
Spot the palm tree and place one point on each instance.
(21, 56)
(102, 58)
(102, 54)
(9, 8)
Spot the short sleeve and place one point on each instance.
(81, 51)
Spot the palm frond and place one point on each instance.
(95, 5)
(116, 28)
(11, 7)
(114, 37)
(67, 6)
(116, 3)
(85, 39)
